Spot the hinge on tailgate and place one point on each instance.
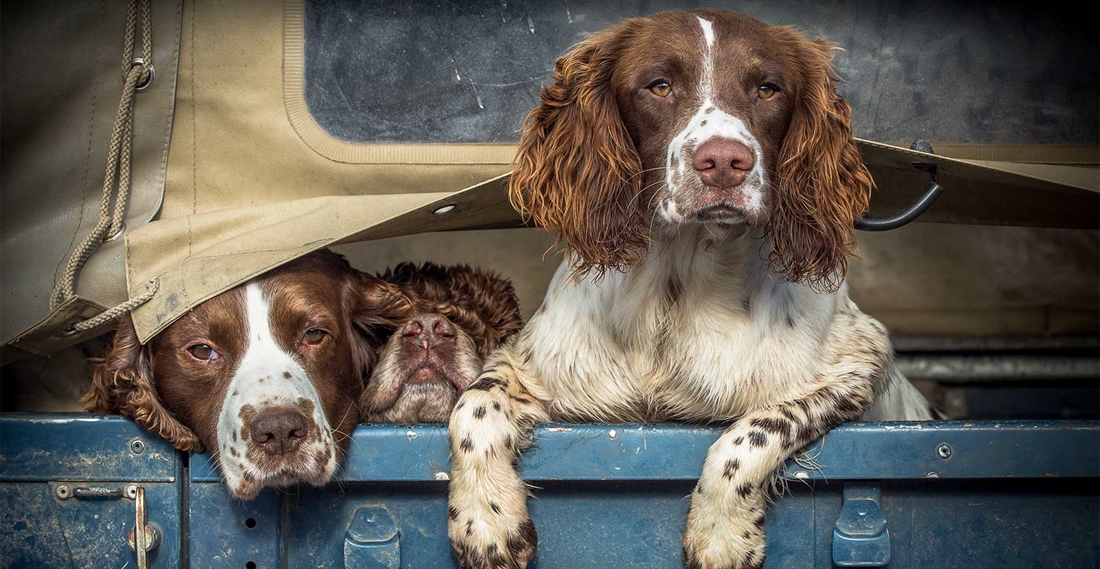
(861, 538)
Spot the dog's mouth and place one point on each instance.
(313, 465)
(722, 212)
(427, 371)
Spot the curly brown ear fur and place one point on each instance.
(823, 185)
(576, 170)
(377, 308)
(480, 302)
(122, 383)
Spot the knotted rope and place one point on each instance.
(138, 74)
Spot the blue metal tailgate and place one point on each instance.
(902, 495)
(950, 494)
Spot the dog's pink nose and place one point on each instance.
(428, 331)
(279, 430)
(723, 163)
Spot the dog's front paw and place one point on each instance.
(722, 541)
(491, 538)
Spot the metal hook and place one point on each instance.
(913, 210)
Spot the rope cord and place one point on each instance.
(137, 73)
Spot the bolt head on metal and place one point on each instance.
(444, 210)
(137, 446)
(612, 434)
(152, 538)
(922, 145)
(63, 491)
(944, 451)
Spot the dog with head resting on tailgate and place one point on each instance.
(459, 316)
(266, 376)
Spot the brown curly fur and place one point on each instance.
(576, 168)
(122, 383)
(823, 185)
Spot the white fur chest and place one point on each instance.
(698, 332)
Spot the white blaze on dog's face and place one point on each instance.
(272, 429)
(423, 369)
(268, 375)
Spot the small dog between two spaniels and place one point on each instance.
(699, 168)
(272, 376)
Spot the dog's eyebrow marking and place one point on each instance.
(708, 31)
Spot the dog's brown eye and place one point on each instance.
(661, 89)
(314, 336)
(203, 352)
(765, 91)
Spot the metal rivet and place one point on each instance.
(117, 234)
(63, 491)
(140, 62)
(137, 446)
(612, 434)
(444, 210)
(69, 329)
(944, 451)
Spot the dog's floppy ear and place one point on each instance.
(823, 185)
(122, 382)
(484, 304)
(377, 308)
(576, 169)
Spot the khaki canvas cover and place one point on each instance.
(233, 176)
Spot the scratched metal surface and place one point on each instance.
(877, 451)
(1010, 494)
(40, 451)
(614, 495)
(469, 71)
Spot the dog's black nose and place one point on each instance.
(279, 430)
(428, 331)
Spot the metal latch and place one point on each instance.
(372, 540)
(861, 538)
(141, 542)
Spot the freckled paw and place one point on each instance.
(481, 544)
(719, 550)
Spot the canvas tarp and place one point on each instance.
(251, 181)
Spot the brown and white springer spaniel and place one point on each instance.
(266, 376)
(699, 167)
(458, 316)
